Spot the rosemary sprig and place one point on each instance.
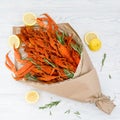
(103, 61)
(50, 105)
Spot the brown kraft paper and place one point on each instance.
(84, 87)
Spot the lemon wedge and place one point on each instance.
(95, 44)
(90, 36)
(29, 19)
(14, 41)
(32, 97)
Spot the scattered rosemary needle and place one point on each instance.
(103, 61)
(50, 113)
(110, 76)
(50, 105)
(67, 111)
(77, 113)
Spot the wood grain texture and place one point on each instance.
(100, 16)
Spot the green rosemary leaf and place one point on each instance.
(110, 76)
(77, 48)
(28, 76)
(103, 61)
(50, 113)
(68, 73)
(50, 63)
(67, 111)
(31, 60)
(77, 113)
(60, 38)
(38, 67)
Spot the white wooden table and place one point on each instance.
(100, 16)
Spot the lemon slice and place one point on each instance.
(14, 41)
(32, 97)
(90, 36)
(29, 19)
(95, 44)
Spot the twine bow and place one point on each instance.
(104, 103)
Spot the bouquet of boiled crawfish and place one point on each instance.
(51, 54)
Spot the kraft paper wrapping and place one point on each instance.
(84, 87)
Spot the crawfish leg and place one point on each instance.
(20, 76)
(18, 56)
(9, 63)
(24, 68)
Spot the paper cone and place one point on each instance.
(84, 87)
